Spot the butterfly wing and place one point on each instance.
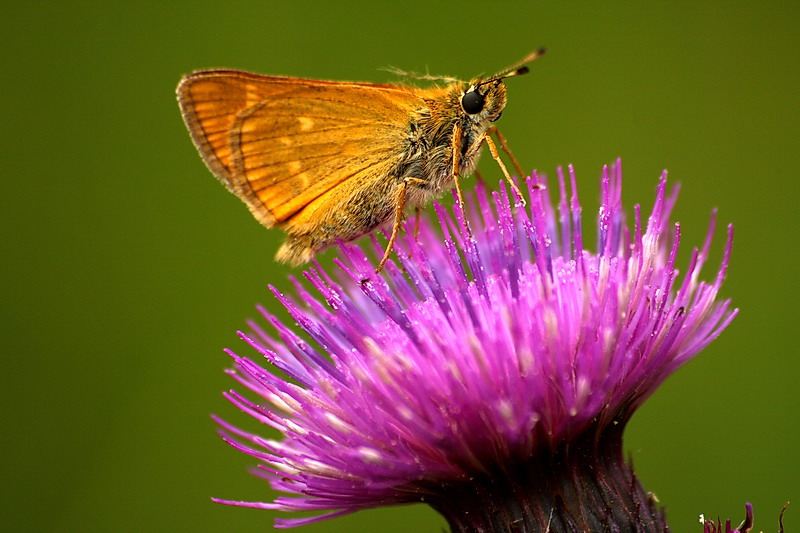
(281, 144)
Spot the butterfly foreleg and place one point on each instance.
(455, 147)
(504, 146)
(486, 137)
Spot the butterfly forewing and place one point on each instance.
(292, 149)
(282, 144)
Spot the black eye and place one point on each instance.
(472, 102)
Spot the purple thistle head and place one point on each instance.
(490, 372)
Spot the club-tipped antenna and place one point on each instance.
(519, 68)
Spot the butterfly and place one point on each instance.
(330, 161)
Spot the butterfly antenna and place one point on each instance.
(519, 68)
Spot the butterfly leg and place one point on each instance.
(504, 146)
(486, 138)
(455, 147)
(417, 216)
(496, 157)
(399, 210)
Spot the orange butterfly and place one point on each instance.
(327, 160)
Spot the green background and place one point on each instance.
(127, 267)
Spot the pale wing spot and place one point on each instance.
(303, 181)
(253, 95)
(286, 141)
(294, 166)
(249, 126)
(305, 123)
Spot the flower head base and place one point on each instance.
(489, 351)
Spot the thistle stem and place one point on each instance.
(583, 486)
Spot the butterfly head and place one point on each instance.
(483, 99)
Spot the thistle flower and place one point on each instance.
(489, 373)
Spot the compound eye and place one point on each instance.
(472, 102)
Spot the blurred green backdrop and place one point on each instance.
(127, 267)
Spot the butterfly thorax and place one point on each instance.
(430, 147)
